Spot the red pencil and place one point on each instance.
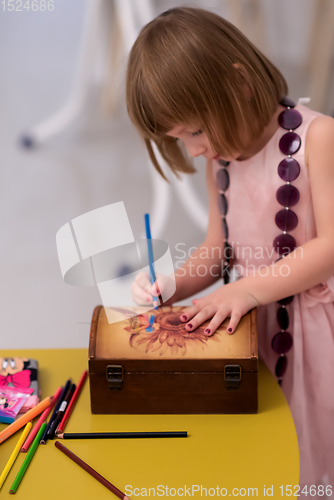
(41, 419)
(90, 471)
(71, 405)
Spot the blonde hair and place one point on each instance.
(189, 66)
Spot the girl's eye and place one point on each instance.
(198, 132)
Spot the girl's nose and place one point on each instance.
(196, 151)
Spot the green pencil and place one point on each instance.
(27, 460)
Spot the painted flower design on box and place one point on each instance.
(167, 334)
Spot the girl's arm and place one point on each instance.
(307, 266)
(203, 267)
(313, 262)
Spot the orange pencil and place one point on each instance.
(41, 419)
(15, 426)
(71, 405)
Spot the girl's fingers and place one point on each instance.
(139, 295)
(198, 319)
(234, 321)
(143, 280)
(216, 321)
(189, 313)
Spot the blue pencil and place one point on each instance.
(150, 257)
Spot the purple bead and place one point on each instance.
(287, 195)
(228, 252)
(286, 301)
(282, 342)
(285, 101)
(223, 163)
(290, 119)
(290, 143)
(223, 179)
(284, 244)
(225, 228)
(281, 366)
(283, 318)
(286, 220)
(222, 204)
(288, 169)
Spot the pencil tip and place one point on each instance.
(60, 436)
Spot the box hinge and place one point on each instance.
(232, 376)
(115, 377)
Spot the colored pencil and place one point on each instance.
(26, 417)
(73, 401)
(90, 471)
(122, 435)
(41, 419)
(61, 411)
(14, 454)
(150, 258)
(54, 413)
(27, 460)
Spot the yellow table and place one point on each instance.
(227, 452)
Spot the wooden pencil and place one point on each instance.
(122, 435)
(90, 471)
(151, 260)
(73, 401)
(27, 460)
(60, 413)
(55, 410)
(14, 454)
(41, 419)
(26, 417)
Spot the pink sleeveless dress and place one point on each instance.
(308, 382)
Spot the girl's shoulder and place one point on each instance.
(319, 134)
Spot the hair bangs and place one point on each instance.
(189, 66)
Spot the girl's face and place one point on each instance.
(197, 142)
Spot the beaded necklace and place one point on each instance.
(286, 220)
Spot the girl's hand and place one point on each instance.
(142, 290)
(228, 301)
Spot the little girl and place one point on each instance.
(196, 85)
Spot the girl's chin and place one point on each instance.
(225, 158)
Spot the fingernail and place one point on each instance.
(184, 316)
(229, 330)
(190, 325)
(207, 331)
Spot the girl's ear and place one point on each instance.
(243, 79)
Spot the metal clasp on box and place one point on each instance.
(115, 377)
(232, 376)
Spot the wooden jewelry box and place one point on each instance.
(164, 369)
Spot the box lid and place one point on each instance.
(131, 338)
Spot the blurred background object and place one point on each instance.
(89, 154)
